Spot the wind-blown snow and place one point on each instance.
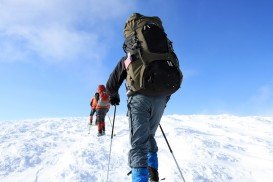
(207, 148)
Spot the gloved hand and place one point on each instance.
(114, 100)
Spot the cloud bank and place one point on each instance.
(57, 31)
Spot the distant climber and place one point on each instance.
(93, 104)
(102, 108)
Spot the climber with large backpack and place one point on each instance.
(151, 70)
(102, 108)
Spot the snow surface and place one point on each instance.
(206, 147)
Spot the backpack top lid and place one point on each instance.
(134, 16)
(136, 19)
(101, 88)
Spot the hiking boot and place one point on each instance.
(153, 174)
(103, 132)
(140, 174)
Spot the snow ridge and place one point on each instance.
(207, 148)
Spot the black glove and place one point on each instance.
(114, 100)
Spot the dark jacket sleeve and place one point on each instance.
(116, 78)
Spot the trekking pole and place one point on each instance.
(110, 122)
(172, 153)
(111, 142)
(89, 128)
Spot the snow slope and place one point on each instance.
(207, 148)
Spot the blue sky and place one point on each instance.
(53, 54)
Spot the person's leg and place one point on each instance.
(104, 112)
(103, 127)
(99, 121)
(158, 106)
(91, 117)
(139, 108)
(100, 131)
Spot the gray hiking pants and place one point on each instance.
(144, 116)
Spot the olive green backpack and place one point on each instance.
(151, 64)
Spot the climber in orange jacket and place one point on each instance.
(102, 108)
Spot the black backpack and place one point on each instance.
(151, 64)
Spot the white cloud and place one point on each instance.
(61, 30)
(264, 94)
(262, 102)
